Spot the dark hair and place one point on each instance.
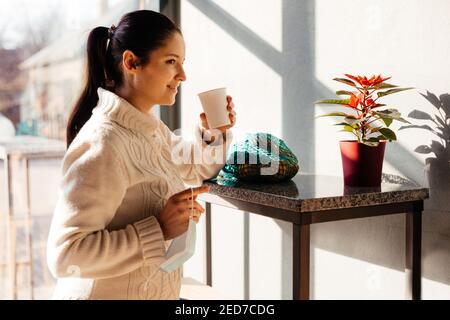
(141, 32)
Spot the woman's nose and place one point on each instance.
(181, 74)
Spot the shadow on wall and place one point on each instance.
(436, 218)
(378, 240)
(438, 165)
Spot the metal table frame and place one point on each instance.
(301, 222)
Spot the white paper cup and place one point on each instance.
(214, 103)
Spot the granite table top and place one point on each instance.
(309, 192)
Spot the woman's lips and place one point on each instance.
(174, 89)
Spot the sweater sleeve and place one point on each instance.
(94, 183)
(197, 160)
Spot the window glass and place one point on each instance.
(42, 57)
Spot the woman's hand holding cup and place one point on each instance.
(218, 112)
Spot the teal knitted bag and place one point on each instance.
(260, 157)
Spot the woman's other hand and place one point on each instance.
(174, 218)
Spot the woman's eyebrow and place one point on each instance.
(174, 55)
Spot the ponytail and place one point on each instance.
(96, 58)
(141, 32)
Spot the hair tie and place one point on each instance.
(111, 31)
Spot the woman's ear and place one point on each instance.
(129, 61)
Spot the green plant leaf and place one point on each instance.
(402, 120)
(333, 101)
(373, 130)
(336, 114)
(375, 139)
(346, 81)
(344, 93)
(377, 105)
(423, 149)
(388, 134)
(346, 127)
(344, 124)
(352, 121)
(387, 121)
(384, 85)
(391, 91)
(390, 113)
(420, 115)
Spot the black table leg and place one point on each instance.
(413, 252)
(300, 261)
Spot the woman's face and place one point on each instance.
(157, 81)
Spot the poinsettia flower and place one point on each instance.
(363, 81)
(369, 102)
(354, 101)
(363, 102)
(379, 79)
(358, 79)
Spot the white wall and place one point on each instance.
(277, 58)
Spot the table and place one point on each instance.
(308, 199)
(23, 148)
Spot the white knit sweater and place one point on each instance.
(105, 241)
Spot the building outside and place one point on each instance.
(55, 74)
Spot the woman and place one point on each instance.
(123, 193)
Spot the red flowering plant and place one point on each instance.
(367, 122)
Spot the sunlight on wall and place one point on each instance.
(228, 251)
(214, 59)
(377, 282)
(339, 277)
(250, 13)
(433, 290)
(265, 238)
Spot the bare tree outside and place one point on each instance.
(22, 35)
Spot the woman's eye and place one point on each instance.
(171, 61)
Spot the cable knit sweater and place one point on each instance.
(105, 241)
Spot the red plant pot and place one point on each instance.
(362, 164)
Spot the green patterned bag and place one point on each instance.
(261, 157)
